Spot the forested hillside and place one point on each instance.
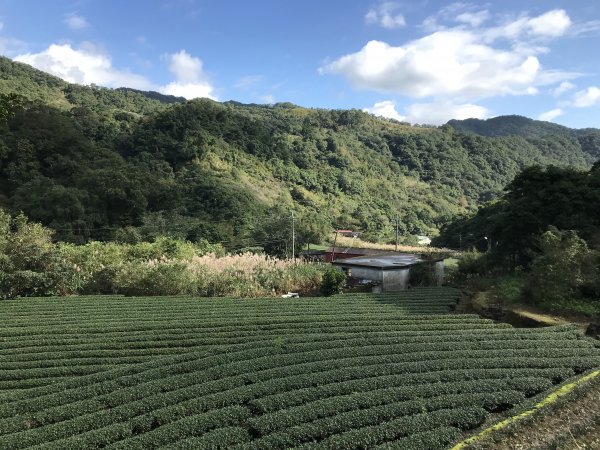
(538, 132)
(96, 163)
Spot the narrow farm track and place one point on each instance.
(352, 371)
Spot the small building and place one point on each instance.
(312, 255)
(423, 240)
(394, 271)
(348, 233)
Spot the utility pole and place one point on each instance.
(293, 238)
(396, 232)
(333, 251)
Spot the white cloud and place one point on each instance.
(76, 22)
(448, 63)
(562, 88)
(387, 109)
(91, 64)
(386, 15)
(86, 65)
(585, 29)
(586, 97)
(268, 99)
(553, 24)
(551, 115)
(190, 80)
(188, 90)
(473, 18)
(459, 63)
(437, 113)
(459, 12)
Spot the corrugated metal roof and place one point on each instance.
(387, 261)
(358, 251)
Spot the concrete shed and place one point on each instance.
(394, 271)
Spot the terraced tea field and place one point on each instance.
(352, 371)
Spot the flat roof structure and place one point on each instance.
(386, 261)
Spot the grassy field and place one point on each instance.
(352, 371)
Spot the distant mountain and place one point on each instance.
(99, 163)
(509, 126)
(513, 125)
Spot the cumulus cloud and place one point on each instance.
(386, 15)
(587, 97)
(437, 113)
(90, 64)
(76, 22)
(85, 65)
(551, 115)
(562, 88)
(449, 63)
(190, 80)
(553, 23)
(386, 109)
(461, 63)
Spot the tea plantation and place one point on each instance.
(351, 371)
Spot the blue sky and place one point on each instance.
(421, 61)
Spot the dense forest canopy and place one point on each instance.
(537, 199)
(97, 163)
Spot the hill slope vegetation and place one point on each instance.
(96, 163)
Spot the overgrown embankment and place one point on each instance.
(569, 418)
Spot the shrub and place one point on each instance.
(564, 270)
(32, 265)
(333, 281)
(473, 263)
(155, 278)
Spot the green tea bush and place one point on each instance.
(356, 370)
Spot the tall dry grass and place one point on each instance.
(244, 275)
(343, 241)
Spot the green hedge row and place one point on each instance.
(320, 429)
(368, 436)
(145, 341)
(88, 433)
(427, 440)
(222, 438)
(50, 359)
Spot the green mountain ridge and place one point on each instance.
(514, 125)
(99, 163)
